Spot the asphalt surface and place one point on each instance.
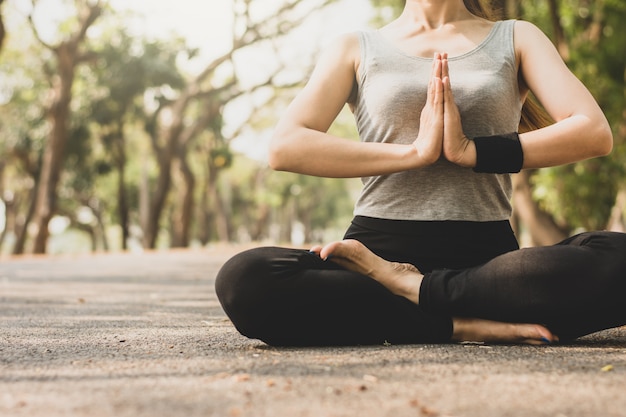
(144, 335)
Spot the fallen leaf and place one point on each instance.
(429, 412)
(607, 368)
(242, 377)
(370, 378)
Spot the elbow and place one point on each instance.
(604, 140)
(274, 157)
(278, 152)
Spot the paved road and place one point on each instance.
(143, 335)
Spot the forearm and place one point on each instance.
(310, 152)
(570, 140)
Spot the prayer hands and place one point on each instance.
(429, 140)
(441, 130)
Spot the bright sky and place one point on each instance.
(203, 23)
(206, 24)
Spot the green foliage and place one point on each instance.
(578, 195)
(118, 90)
(582, 195)
(386, 10)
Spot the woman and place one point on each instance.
(439, 139)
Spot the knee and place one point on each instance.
(246, 288)
(238, 277)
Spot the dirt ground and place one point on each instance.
(144, 335)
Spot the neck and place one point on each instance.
(433, 14)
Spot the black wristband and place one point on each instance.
(499, 154)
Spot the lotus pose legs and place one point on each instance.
(405, 280)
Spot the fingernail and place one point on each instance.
(328, 257)
(546, 340)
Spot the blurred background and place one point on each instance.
(136, 124)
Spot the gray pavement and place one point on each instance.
(143, 335)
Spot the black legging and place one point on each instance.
(575, 287)
(291, 297)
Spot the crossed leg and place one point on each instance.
(405, 280)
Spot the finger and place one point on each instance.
(438, 94)
(339, 249)
(445, 70)
(434, 82)
(329, 250)
(436, 68)
(447, 91)
(316, 249)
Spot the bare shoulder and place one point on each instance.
(527, 35)
(345, 47)
(533, 47)
(340, 58)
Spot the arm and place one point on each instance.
(301, 143)
(580, 131)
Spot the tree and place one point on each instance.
(207, 91)
(2, 30)
(24, 128)
(125, 69)
(71, 149)
(68, 53)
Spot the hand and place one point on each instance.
(429, 141)
(457, 148)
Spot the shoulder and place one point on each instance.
(533, 45)
(342, 51)
(345, 44)
(528, 34)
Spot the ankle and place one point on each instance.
(408, 282)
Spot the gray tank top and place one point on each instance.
(391, 94)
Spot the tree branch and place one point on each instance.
(257, 32)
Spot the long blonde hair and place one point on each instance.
(533, 115)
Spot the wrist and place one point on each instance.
(462, 153)
(467, 157)
(498, 154)
(423, 156)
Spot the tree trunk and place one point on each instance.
(540, 225)
(221, 219)
(559, 33)
(68, 57)
(2, 30)
(202, 216)
(122, 197)
(21, 227)
(54, 150)
(616, 220)
(157, 202)
(183, 213)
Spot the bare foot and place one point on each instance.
(400, 278)
(478, 330)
